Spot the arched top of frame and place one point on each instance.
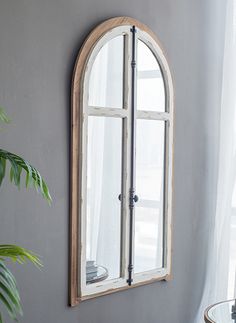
(87, 51)
(93, 38)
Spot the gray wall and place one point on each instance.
(39, 41)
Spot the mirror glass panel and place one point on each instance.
(148, 253)
(150, 84)
(104, 169)
(106, 78)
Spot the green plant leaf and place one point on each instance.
(7, 273)
(9, 307)
(19, 254)
(12, 296)
(2, 169)
(9, 295)
(3, 117)
(7, 281)
(18, 164)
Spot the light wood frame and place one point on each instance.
(77, 98)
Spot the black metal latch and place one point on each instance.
(133, 199)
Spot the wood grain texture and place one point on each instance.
(76, 154)
(113, 290)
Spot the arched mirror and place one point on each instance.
(121, 161)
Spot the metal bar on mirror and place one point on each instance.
(132, 197)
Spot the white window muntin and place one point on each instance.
(124, 113)
(168, 118)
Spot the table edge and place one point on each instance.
(206, 317)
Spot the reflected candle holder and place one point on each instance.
(233, 311)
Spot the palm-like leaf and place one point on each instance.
(3, 117)
(19, 254)
(9, 294)
(18, 164)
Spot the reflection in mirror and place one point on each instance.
(150, 84)
(121, 146)
(150, 188)
(106, 78)
(104, 168)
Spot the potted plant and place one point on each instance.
(9, 295)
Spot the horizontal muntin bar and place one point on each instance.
(107, 112)
(153, 115)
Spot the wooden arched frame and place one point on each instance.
(76, 142)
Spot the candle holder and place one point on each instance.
(233, 311)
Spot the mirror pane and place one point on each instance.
(104, 169)
(106, 78)
(148, 251)
(150, 84)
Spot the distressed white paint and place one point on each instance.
(88, 291)
(123, 112)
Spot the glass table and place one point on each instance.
(101, 274)
(221, 312)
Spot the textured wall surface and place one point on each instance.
(39, 41)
